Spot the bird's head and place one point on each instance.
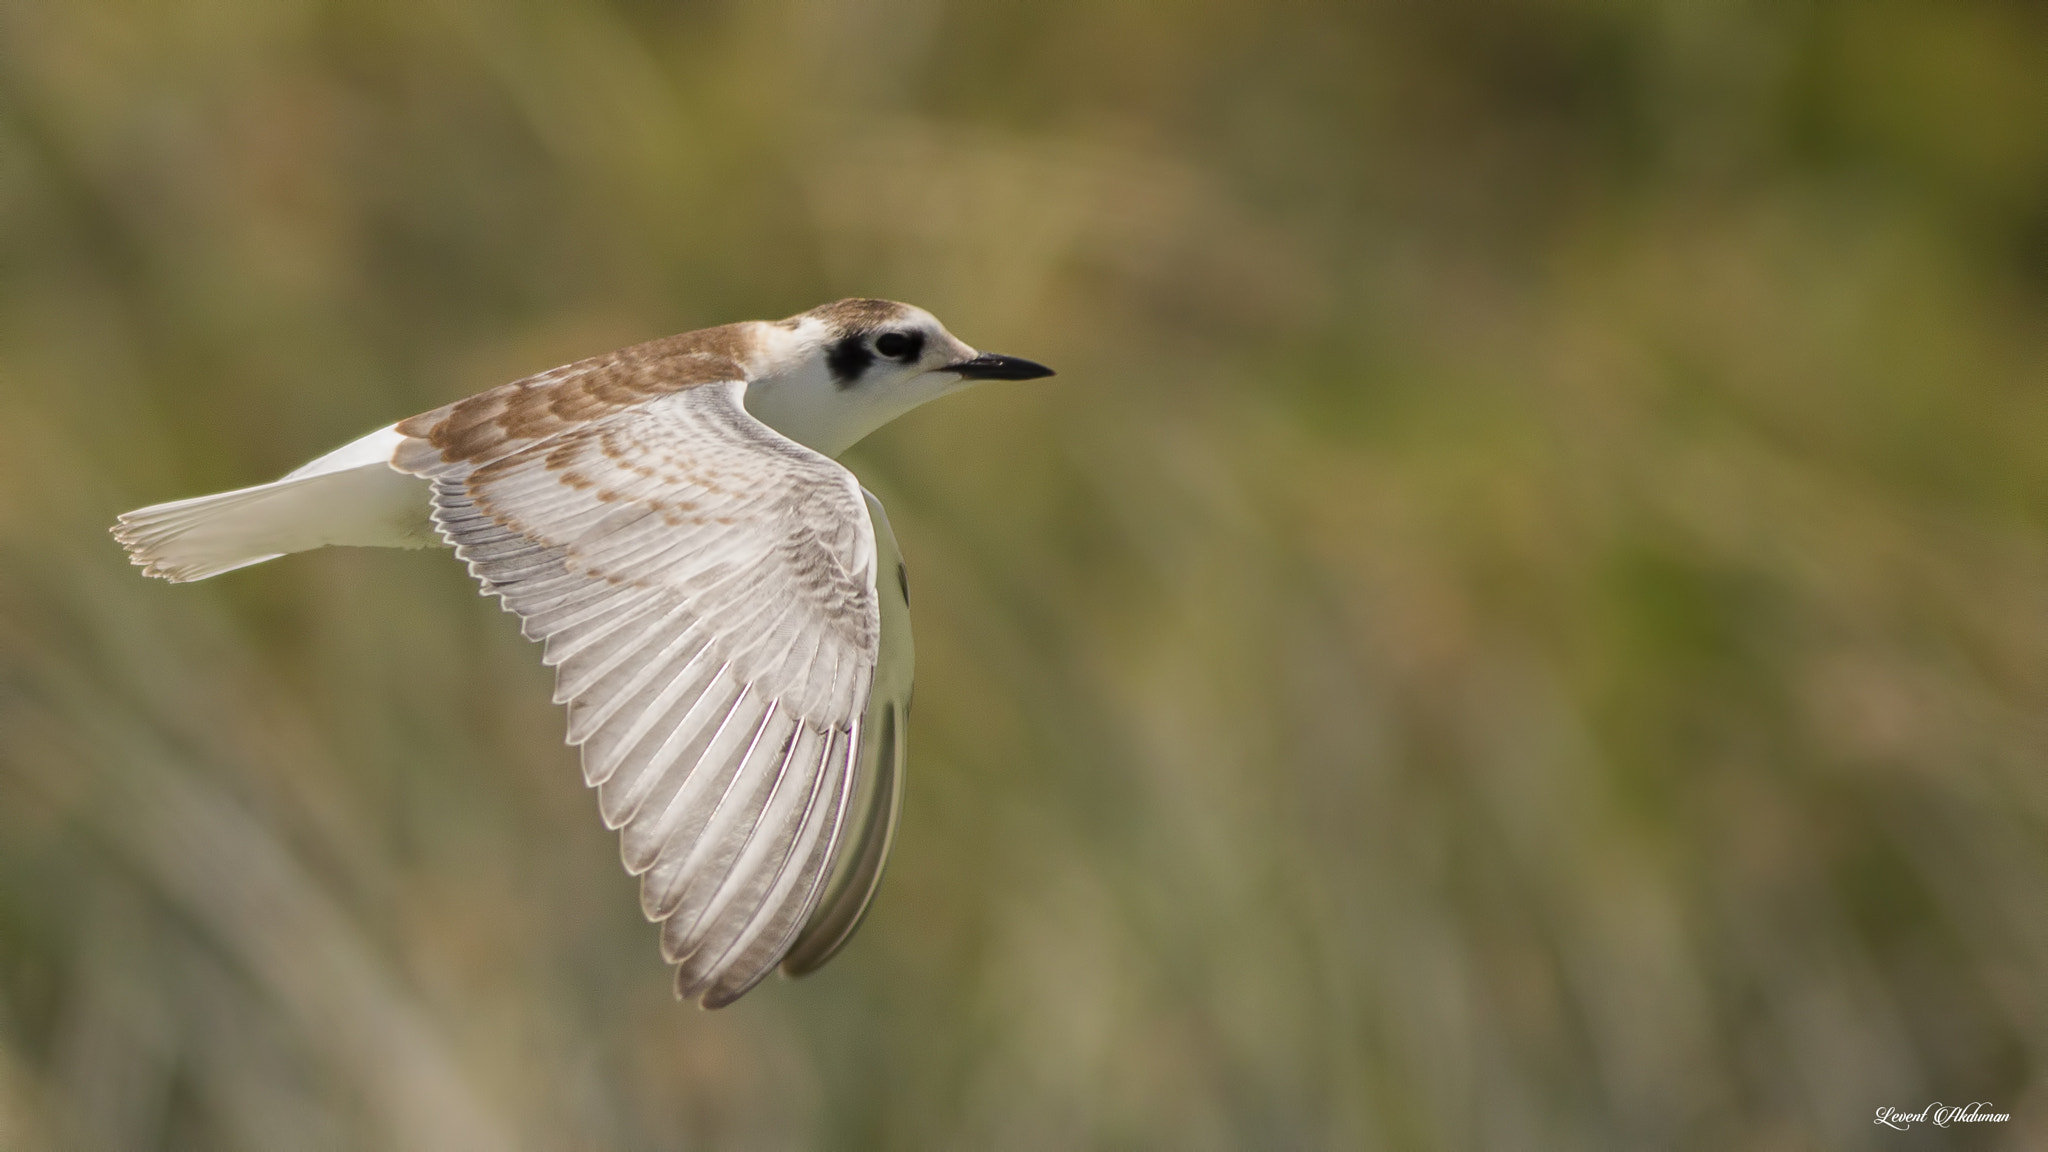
(831, 375)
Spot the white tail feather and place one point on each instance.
(360, 501)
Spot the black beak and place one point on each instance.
(989, 366)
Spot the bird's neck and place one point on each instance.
(793, 391)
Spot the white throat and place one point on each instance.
(794, 392)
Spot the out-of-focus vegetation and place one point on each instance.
(1522, 623)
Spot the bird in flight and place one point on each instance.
(725, 607)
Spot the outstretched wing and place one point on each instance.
(706, 591)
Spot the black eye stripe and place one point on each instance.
(847, 359)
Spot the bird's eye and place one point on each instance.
(899, 345)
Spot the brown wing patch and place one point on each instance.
(489, 424)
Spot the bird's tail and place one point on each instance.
(208, 535)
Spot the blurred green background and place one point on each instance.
(1522, 622)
